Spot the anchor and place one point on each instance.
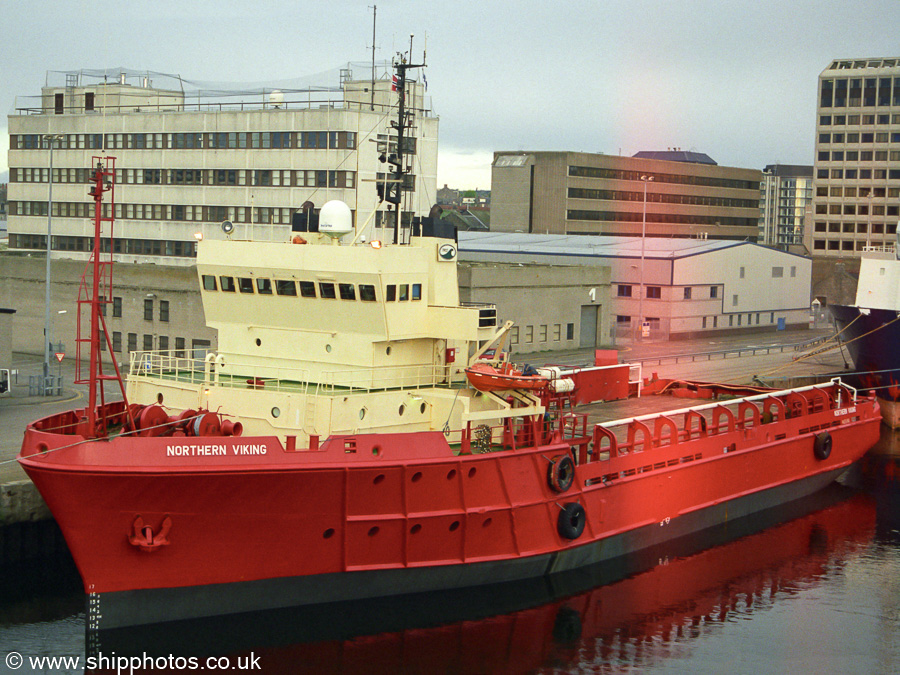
(144, 538)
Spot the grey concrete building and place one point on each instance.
(554, 306)
(154, 306)
(687, 195)
(188, 160)
(857, 168)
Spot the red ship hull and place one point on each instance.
(237, 524)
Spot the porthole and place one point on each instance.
(451, 474)
(376, 450)
(487, 522)
(159, 398)
(415, 529)
(378, 479)
(388, 351)
(454, 526)
(417, 476)
(328, 534)
(402, 409)
(258, 342)
(276, 412)
(422, 408)
(373, 531)
(328, 348)
(472, 472)
(362, 413)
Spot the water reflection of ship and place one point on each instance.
(647, 604)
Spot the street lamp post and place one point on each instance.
(645, 180)
(47, 389)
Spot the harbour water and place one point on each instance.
(810, 587)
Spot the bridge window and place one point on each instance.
(404, 292)
(264, 286)
(367, 293)
(245, 285)
(417, 291)
(209, 282)
(285, 287)
(347, 291)
(326, 290)
(390, 293)
(227, 284)
(307, 289)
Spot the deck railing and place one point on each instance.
(214, 369)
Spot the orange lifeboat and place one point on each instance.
(486, 377)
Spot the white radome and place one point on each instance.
(335, 219)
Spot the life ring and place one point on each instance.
(561, 473)
(822, 445)
(571, 520)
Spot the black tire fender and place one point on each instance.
(571, 520)
(822, 445)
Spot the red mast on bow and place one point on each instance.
(94, 293)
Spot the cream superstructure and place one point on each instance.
(330, 337)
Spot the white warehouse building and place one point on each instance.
(692, 287)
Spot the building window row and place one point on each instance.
(844, 244)
(232, 177)
(235, 140)
(851, 227)
(554, 333)
(856, 191)
(263, 215)
(655, 292)
(740, 317)
(858, 92)
(692, 219)
(857, 174)
(860, 137)
(622, 174)
(853, 120)
(160, 342)
(857, 156)
(665, 198)
(150, 247)
(858, 209)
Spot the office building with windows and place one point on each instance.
(188, 160)
(857, 168)
(686, 195)
(785, 193)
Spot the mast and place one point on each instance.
(374, 15)
(94, 293)
(395, 185)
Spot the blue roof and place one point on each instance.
(677, 156)
(598, 246)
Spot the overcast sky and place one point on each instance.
(736, 80)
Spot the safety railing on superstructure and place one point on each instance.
(168, 106)
(214, 369)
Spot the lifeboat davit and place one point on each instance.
(486, 377)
